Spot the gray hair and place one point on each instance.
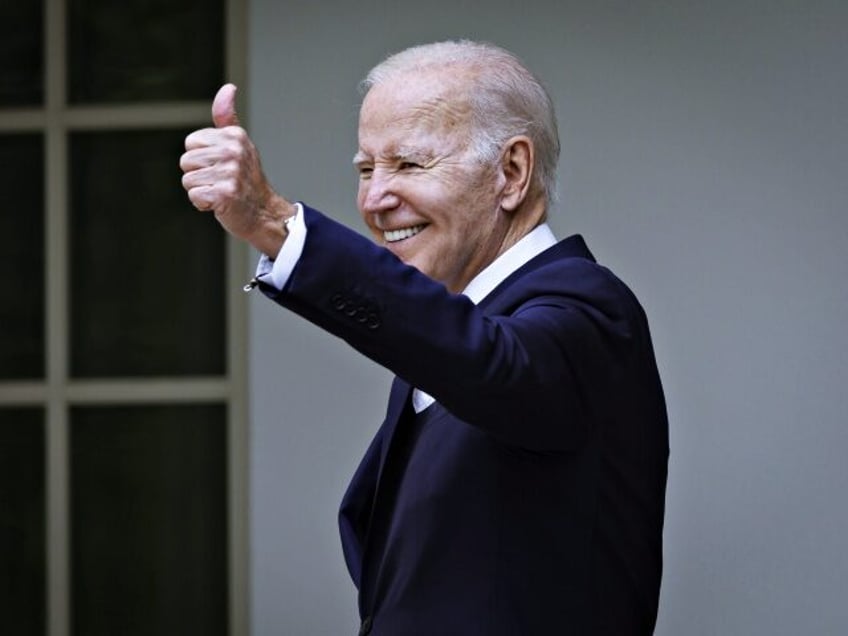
(506, 100)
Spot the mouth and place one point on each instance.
(393, 236)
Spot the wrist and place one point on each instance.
(274, 226)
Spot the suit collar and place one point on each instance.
(572, 247)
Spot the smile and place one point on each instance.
(392, 236)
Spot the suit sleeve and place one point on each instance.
(534, 371)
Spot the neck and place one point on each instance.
(532, 213)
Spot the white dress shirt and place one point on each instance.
(277, 272)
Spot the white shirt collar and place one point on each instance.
(530, 245)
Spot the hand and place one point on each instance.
(222, 172)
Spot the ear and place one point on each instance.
(517, 163)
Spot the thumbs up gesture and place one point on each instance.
(222, 172)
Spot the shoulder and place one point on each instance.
(566, 271)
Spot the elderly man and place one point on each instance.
(516, 486)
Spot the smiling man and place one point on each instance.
(427, 190)
(517, 484)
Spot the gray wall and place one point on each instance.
(705, 161)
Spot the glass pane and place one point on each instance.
(22, 521)
(21, 257)
(148, 521)
(21, 53)
(144, 50)
(147, 270)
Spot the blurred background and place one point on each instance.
(173, 451)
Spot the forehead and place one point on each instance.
(427, 105)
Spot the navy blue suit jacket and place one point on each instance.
(529, 499)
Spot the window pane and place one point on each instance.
(144, 50)
(21, 53)
(147, 270)
(148, 521)
(21, 257)
(22, 521)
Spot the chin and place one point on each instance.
(417, 264)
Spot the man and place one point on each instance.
(516, 486)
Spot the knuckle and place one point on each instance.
(239, 152)
(228, 188)
(231, 169)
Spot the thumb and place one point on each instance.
(224, 107)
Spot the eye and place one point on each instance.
(365, 172)
(408, 165)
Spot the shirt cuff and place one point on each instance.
(277, 272)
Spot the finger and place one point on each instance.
(199, 138)
(201, 197)
(191, 160)
(195, 178)
(201, 157)
(224, 107)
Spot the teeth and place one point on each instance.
(398, 235)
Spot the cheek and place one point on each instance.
(445, 248)
(360, 197)
(361, 194)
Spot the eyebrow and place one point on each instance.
(405, 153)
(401, 154)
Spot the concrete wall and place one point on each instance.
(704, 159)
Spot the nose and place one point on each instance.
(376, 193)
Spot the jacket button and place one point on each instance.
(338, 301)
(373, 321)
(365, 627)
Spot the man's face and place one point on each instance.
(421, 191)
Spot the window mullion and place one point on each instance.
(58, 601)
(237, 256)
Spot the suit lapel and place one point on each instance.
(399, 403)
(398, 400)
